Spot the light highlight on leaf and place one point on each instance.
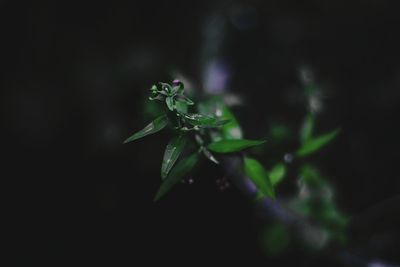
(171, 154)
(155, 126)
(316, 143)
(181, 169)
(234, 145)
(277, 173)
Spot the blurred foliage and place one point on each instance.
(211, 127)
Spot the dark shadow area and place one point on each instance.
(73, 83)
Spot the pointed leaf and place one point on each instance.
(277, 173)
(204, 121)
(316, 143)
(307, 128)
(216, 107)
(171, 154)
(157, 125)
(184, 99)
(170, 103)
(210, 156)
(181, 169)
(181, 107)
(234, 145)
(259, 176)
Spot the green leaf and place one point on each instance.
(170, 103)
(177, 87)
(316, 143)
(307, 128)
(181, 107)
(204, 121)
(171, 154)
(210, 156)
(181, 169)
(232, 129)
(155, 126)
(234, 145)
(277, 173)
(184, 99)
(259, 176)
(216, 107)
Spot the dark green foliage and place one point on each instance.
(312, 145)
(177, 115)
(234, 145)
(213, 128)
(171, 154)
(153, 127)
(204, 121)
(177, 174)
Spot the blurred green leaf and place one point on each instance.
(232, 129)
(216, 107)
(277, 173)
(311, 176)
(171, 154)
(234, 145)
(275, 239)
(177, 88)
(170, 103)
(181, 169)
(181, 107)
(157, 125)
(307, 128)
(259, 176)
(279, 132)
(204, 121)
(314, 144)
(184, 99)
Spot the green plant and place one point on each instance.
(213, 130)
(210, 130)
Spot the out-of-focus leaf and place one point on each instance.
(210, 156)
(181, 169)
(204, 121)
(277, 173)
(232, 129)
(157, 125)
(314, 144)
(177, 88)
(199, 140)
(310, 176)
(171, 154)
(275, 239)
(184, 99)
(259, 176)
(234, 145)
(170, 103)
(216, 107)
(279, 132)
(307, 128)
(152, 109)
(181, 107)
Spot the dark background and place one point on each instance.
(74, 77)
